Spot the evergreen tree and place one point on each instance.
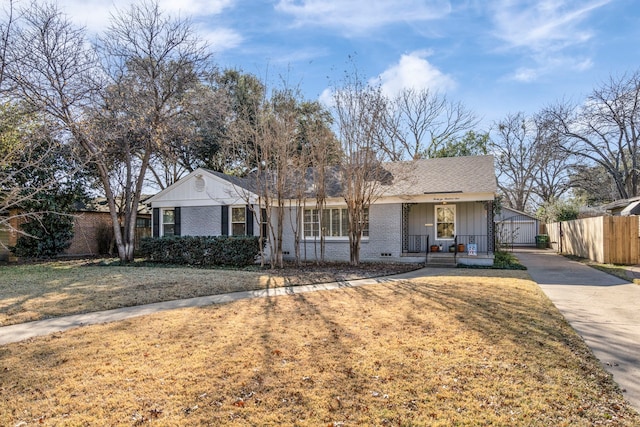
(50, 191)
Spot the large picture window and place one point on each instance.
(238, 221)
(445, 222)
(335, 223)
(168, 222)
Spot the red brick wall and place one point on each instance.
(86, 231)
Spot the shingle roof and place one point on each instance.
(472, 174)
(245, 183)
(616, 204)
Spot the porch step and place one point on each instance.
(441, 260)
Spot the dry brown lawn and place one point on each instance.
(471, 348)
(38, 291)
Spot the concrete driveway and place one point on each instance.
(602, 308)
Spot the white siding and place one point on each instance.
(203, 190)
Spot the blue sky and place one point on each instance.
(494, 56)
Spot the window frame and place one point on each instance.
(310, 227)
(163, 224)
(454, 222)
(334, 224)
(232, 222)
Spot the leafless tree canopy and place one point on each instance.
(514, 148)
(604, 130)
(33, 110)
(418, 122)
(359, 111)
(114, 103)
(532, 169)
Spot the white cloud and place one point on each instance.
(195, 7)
(359, 16)
(543, 25)
(549, 32)
(326, 98)
(95, 14)
(414, 71)
(548, 64)
(220, 39)
(526, 75)
(92, 14)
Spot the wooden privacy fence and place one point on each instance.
(604, 239)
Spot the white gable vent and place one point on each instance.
(199, 183)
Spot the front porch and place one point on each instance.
(448, 233)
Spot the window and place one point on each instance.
(143, 222)
(445, 222)
(335, 222)
(311, 226)
(365, 228)
(239, 221)
(168, 222)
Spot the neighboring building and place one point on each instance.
(8, 237)
(623, 207)
(433, 202)
(516, 228)
(92, 230)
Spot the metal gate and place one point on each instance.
(517, 230)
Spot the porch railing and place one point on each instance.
(420, 243)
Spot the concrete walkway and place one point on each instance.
(602, 308)
(23, 331)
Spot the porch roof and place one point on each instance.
(450, 175)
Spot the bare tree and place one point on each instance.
(532, 168)
(419, 122)
(514, 149)
(359, 111)
(151, 60)
(115, 112)
(281, 156)
(33, 110)
(604, 130)
(198, 136)
(267, 133)
(323, 152)
(552, 176)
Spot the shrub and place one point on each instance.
(506, 261)
(501, 261)
(45, 237)
(237, 251)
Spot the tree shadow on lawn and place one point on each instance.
(518, 315)
(385, 353)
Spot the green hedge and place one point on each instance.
(237, 251)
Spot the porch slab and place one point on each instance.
(439, 258)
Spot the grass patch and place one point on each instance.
(31, 292)
(507, 261)
(463, 349)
